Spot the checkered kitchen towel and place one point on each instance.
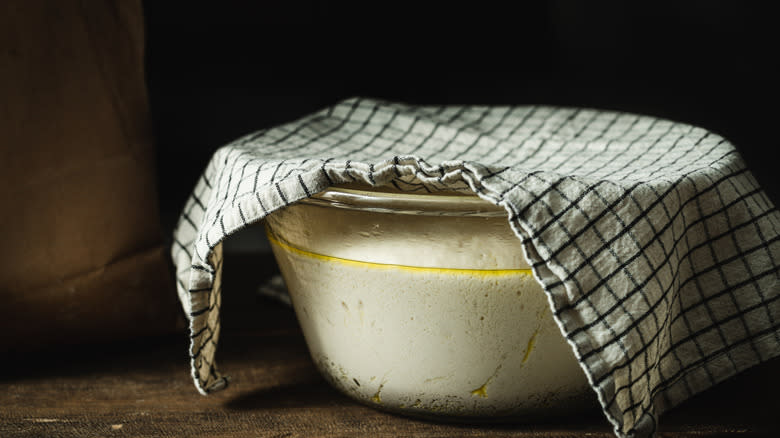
(656, 246)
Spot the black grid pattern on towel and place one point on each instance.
(655, 244)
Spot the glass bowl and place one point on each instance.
(424, 304)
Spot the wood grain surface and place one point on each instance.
(143, 389)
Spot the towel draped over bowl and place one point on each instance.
(655, 245)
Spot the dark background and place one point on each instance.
(219, 70)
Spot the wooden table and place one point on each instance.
(143, 388)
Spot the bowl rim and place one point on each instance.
(383, 200)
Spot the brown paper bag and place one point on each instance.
(81, 255)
